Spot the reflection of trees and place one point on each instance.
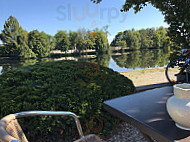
(6, 68)
(135, 59)
(102, 59)
(8, 65)
(142, 59)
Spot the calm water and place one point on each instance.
(117, 61)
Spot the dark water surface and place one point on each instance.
(125, 61)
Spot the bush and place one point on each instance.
(79, 87)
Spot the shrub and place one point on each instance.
(79, 87)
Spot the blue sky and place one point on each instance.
(53, 15)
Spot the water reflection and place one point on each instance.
(117, 61)
(102, 59)
(7, 64)
(142, 59)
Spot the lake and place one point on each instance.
(124, 61)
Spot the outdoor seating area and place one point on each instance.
(11, 131)
(144, 113)
(147, 111)
(95, 71)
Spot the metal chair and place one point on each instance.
(11, 131)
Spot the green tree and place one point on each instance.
(15, 40)
(162, 37)
(80, 44)
(127, 35)
(135, 40)
(148, 38)
(12, 30)
(39, 43)
(122, 44)
(101, 41)
(25, 51)
(73, 39)
(117, 38)
(144, 38)
(48, 40)
(89, 41)
(62, 41)
(132, 39)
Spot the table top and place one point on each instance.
(147, 111)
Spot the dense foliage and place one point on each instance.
(40, 43)
(62, 41)
(15, 40)
(142, 39)
(18, 43)
(82, 40)
(79, 87)
(21, 44)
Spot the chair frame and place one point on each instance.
(55, 113)
(40, 113)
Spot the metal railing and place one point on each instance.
(55, 113)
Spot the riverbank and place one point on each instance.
(146, 76)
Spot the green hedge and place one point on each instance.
(79, 87)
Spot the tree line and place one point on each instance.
(19, 43)
(176, 14)
(142, 39)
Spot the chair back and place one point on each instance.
(10, 130)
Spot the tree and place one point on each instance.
(117, 38)
(127, 35)
(80, 45)
(149, 38)
(15, 40)
(52, 41)
(11, 32)
(122, 44)
(62, 41)
(25, 51)
(73, 39)
(48, 41)
(135, 40)
(101, 41)
(144, 38)
(89, 41)
(132, 38)
(39, 43)
(162, 35)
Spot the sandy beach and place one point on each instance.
(146, 76)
